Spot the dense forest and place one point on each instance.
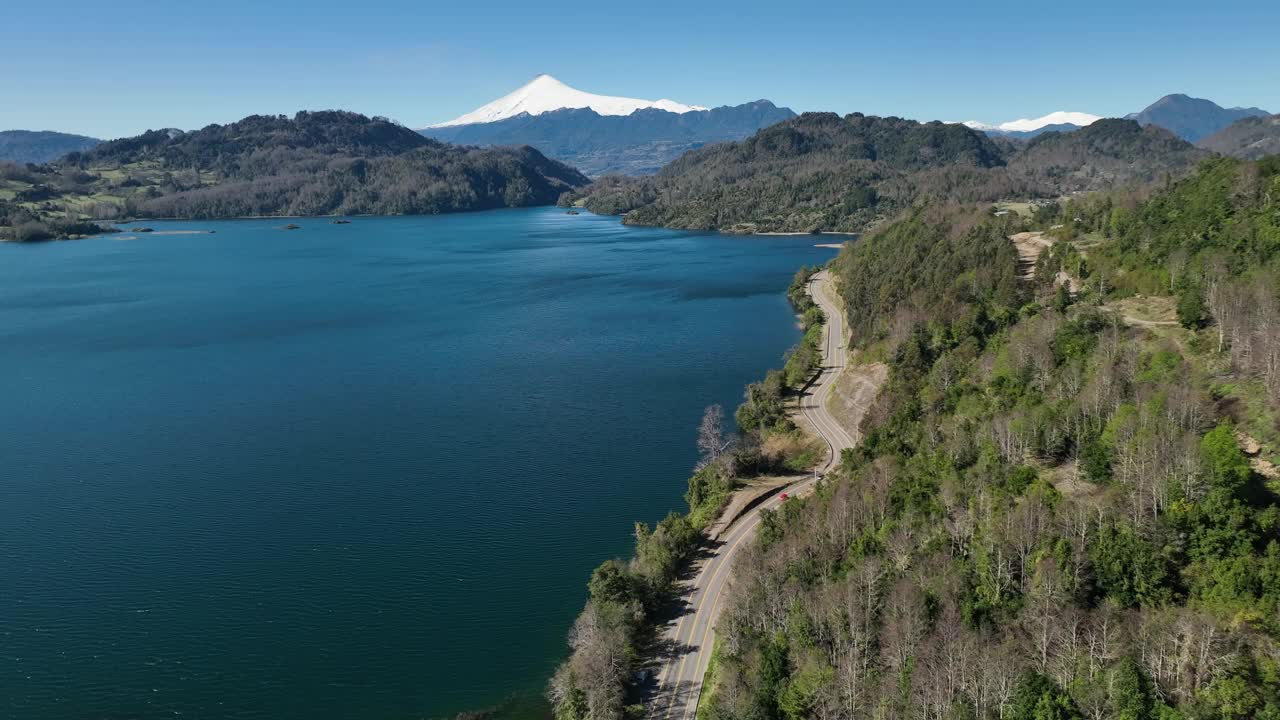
(1063, 507)
(821, 172)
(315, 163)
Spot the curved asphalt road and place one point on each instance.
(690, 638)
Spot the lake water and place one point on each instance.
(349, 470)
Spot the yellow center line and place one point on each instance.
(725, 565)
(666, 666)
(715, 571)
(711, 583)
(724, 558)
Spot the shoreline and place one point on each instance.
(328, 215)
(731, 231)
(681, 684)
(820, 232)
(700, 554)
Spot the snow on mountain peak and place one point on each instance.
(1061, 117)
(545, 93)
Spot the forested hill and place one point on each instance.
(823, 172)
(330, 132)
(1065, 505)
(314, 163)
(1109, 154)
(40, 146)
(1251, 138)
(816, 172)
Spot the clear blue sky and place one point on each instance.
(114, 69)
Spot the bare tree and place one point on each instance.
(712, 442)
(594, 674)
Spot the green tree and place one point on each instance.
(1234, 697)
(1129, 569)
(1095, 461)
(774, 669)
(1062, 299)
(1191, 307)
(1227, 465)
(801, 692)
(1130, 692)
(612, 582)
(1038, 698)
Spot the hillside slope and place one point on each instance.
(1050, 508)
(40, 146)
(1251, 138)
(1106, 155)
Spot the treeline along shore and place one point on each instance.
(616, 635)
(315, 163)
(1066, 501)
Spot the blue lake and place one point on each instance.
(348, 470)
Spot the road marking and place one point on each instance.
(709, 627)
(726, 551)
(714, 569)
(718, 567)
(667, 665)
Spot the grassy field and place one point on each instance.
(1021, 208)
(1146, 309)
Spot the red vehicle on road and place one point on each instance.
(783, 497)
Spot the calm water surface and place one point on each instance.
(350, 470)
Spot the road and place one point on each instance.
(689, 639)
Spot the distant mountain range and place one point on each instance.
(544, 94)
(605, 134)
(40, 146)
(600, 134)
(1061, 121)
(1189, 118)
(1192, 118)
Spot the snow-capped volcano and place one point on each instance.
(545, 93)
(1025, 125)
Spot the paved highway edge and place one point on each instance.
(696, 630)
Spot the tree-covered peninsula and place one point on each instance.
(315, 163)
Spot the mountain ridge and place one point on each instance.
(635, 144)
(1191, 118)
